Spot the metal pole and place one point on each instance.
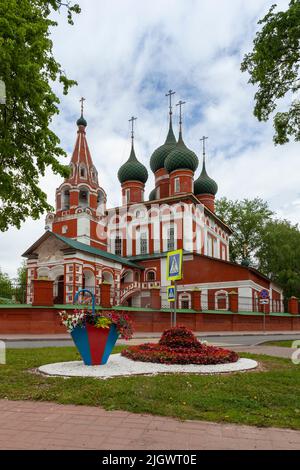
(264, 318)
(175, 301)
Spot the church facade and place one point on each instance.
(87, 243)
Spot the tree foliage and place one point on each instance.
(248, 219)
(27, 145)
(5, 287)
(273, 66)
(279, 255)
(271, 246)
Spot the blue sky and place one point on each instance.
(125, 56)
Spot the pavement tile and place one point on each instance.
(42, 425)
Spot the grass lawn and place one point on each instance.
(265, 398)
(283, 344)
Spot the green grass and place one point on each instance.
(267, 397)
(283, 344)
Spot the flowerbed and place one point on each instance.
(179, 345)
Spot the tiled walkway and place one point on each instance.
(34, 425)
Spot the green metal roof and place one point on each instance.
(204, 184)
(95, 251)
(152, 195)
(132, 170)
(81, 121)
(181, 158)
(158, 157)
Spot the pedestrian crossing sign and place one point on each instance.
(174, 265)
(171, 293)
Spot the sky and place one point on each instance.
(125, 55)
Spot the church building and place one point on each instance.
(87, 243)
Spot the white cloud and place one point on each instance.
(125, 55)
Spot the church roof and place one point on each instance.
(181, 157)
(158, 157)
(204, 184)
(81, 247)
(82, 166)
(132, 170)
(152, 195)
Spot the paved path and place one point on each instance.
(34, 425)
(218, 338)
(276, 351)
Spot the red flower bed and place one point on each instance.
(178, 345)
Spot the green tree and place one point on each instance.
(279, 255)
(27, 67)
(6, 288)
(248, 219)
(273, 66)
(22, 274)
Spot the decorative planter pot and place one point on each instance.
(95, 344)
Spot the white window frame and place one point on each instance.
(185, 297)
(224, 293)
(177, 185)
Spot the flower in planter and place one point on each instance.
(103, 322)
(82, 318)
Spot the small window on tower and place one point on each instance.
(82, 172)
(83, 197)
(127, 195)
(177, 185)
(66, 200)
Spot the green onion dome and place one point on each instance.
(181, 158)
(158, 157)
(152, 195)
(81, 121)
(204, 184)
(132, 170)
(245, 262)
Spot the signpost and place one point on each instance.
(264, 300)
(171, 293)
(174, 273)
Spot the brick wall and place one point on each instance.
(46, 321)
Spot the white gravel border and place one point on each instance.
(118, 365)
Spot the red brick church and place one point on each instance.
(87, 243)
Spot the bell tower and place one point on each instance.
(80, 201)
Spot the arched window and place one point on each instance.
(83, 197)
(151, 275)
(94, 175)
(100, 197)
(66, 199)
(82, 171)
(118, 245)
(143, 243)
(171, 238)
